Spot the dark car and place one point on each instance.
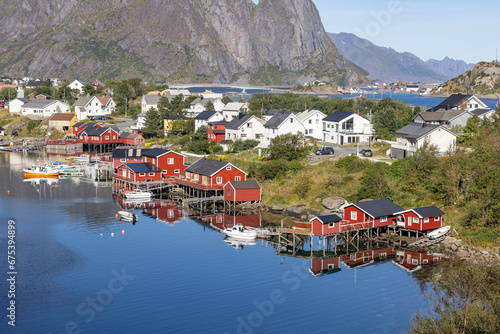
(366, 152)
(324, 150)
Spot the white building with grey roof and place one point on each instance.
(40, 109)
(281, 123)
(245, 127)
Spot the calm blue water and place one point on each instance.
(411, 99)
(172, 278)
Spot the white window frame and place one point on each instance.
(383, 219)
(415, 220)
(237, 178)
(354, 215)
(151, 173)
(437, 218)
(142, 174)
(177, 171)
(228, 191)
(218, 180)
(331, 225)
(426, 220)
(123, 160)
(170, 161)
(228, 168)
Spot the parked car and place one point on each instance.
(324, 150)
(366, 152)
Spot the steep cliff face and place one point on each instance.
(179, 40)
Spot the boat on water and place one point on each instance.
(442, 231)
(127, 216)
(239, 244)
(56, 165)
(239, 231)
(138, 194)
(40, 171)
(50, 180)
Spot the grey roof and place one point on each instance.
(327, 219)
(480, 111)
(238, 121)
(33, 83)
(143, 167)
(248, 184)
(429, 211)
(130, 153)
(416, 130)
(204, 115)
(206, 167)
(156, 152)
(83, 82)
(151, 99)
(453, 101)
(440, 116)
(38, 103)
(276, 120)
(218, 122)
(82, 101)
(379, 207)
(338, 116)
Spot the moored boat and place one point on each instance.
(238, 231)
(127, 216)
(39, 171)
(442, 231)
(138, 194)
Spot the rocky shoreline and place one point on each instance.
(453, 247)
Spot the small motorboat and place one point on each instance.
(238, 231)
(238, 243)
(442, 231)
(37, 171)
(138, 194)
(127, 216)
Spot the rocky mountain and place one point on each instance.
(388, 65)
(272, 42)
(483, 79)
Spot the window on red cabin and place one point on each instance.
(151, 174)
(106, 137)
(228, 168)
(354, 215)
(237, 178)
(331, 225)
(426, 220)
(228, 191)
(219, 179)
(170, 161)
(437, 218)
(142, 174)
(383, 219)
(177, 171)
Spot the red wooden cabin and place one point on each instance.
(324, 225)
(132, 139)
(375, 213)
(421, 219)
(242, 191)
(213, 173)
(216, 131)
(138, 172)
(127, 155)
(171, 163)
(94, 134)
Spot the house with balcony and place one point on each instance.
(216, 131)
(447, 118)
(245, 127)
(421, 219)
(343, 127)
(138, 172)
(374, 213)
(92, 106)
(414, 135)
(212, 174)
(122, 156)
(313, 123)
(281, 123)
(169, 162)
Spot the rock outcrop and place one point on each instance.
(272, 42)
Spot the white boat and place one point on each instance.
(56, 165)
(238, 231)
(238, 243)
(438, 233)
(127, 216)
(138, 194)
(39, 171)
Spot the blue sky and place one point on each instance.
(459, 29)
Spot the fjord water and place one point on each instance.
(172, 278)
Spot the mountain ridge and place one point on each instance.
(219, 41)
(386, 64)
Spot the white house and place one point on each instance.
(343, 127)
(280, 124)
(412, 88)
(211, 95)
(141, 119)
(151, 101)
(448, 118)
(40, 109)
(16, 105)
(207, 116)
(460, 102)
(78, 84)
(245, 127)
(199, 105)
(91, 106)
(414, 135)
(313, 123)
(232, 109)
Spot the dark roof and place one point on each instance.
(33, 83)
(156, 152)
(429, 211)
(453, 101)
(480, 111)
(143, 167)
(218, 132)
(379, 207)
(270, 112)
(130, 153)
(248, 184)
(206, 167)
(277, 120)
(124, 135)
(218, 122)
(327, 219)
(238, 121)
(204, 115)
(416, 130)
(338, 116)
(92, 130)
(1, 129)
(175, 117)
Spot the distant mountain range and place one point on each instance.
(388, 65)
(483, 79)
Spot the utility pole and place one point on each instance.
(126, 103)
(371, 131)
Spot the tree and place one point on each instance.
(209, 106)
(164, 107)
(374, 182)
(153, 124)
(7, 93)
(226, 99)
(180, 127)
(288, 146)
(200, 134)
(88, 90)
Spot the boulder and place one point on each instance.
(297, 209)
(277, 208)
(333, 203)
(454, 247)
